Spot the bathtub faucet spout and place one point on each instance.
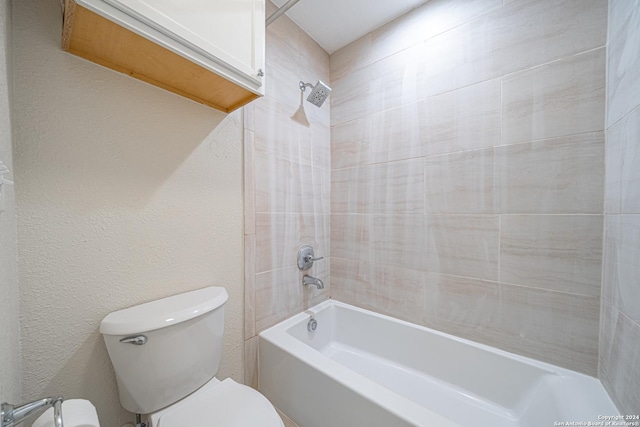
(308, 280)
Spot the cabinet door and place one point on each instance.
(225, 36)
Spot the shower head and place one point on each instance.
(319, 93)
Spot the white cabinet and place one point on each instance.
(211, 51)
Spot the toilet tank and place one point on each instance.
(182, 349)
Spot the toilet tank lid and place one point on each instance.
(163, 312)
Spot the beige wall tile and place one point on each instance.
(619, 369)
(249, 183)
(352, 57)
(562, 98)
(623, 78)
(563, 175)
(556, 252)
(426, 21)
(516, 37)
(278, 237)
(395, 240)
(461, 306)
(463, 245)
(351, 143)
(395, 291)
(398, 79)
(622, 193)
(351, 97)
(287, 187)
(278, 135)
(621, 278)
(619, 331)
(280, 293)
(461, 183)
(554, 327)
(396, 134)
(251, 362)
(463, 119)
(400, 240)
(249, 285)
(392, 188)
(351, 236)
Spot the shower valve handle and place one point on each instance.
(306, 257)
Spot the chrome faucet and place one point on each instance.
(12, 415)
(308, 280)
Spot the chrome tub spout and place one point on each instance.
(308, 280)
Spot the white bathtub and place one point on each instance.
(362, 369)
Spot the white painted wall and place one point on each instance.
(9, 314)
(126, 194)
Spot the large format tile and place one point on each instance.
(251, 362)
(278, 237)
(352, 97)
(394, 291)
(621, 278)
(555, 327)
(619, 367)
(398, 79)
(464, 245)
(461, 183)
(401, 241)
(461, 120)
(352, 57)
(351, 144)
(516, 37)
(351, 236)
(461, 306)
(623, 77)
(396, 134)
(557, 252)
(426, 21)
(391, 188)
(249, 285)
(288, 187)
(622, 192)
(280, 293)
(277, 134)
(562, 98)
(249, 183)
(395, 240)
(563, 175)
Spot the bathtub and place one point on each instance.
(360, 368)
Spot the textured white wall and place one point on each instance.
(127, 194)
(9, 315)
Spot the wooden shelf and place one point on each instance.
(97, 39)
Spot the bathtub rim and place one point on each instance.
(412, 412)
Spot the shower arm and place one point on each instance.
(275, 15)
(304, 85)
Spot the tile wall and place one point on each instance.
(467, 156)
(619, 367)
(287, 185)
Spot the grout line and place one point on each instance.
(495, 282)
(511, 144)
(501, 76)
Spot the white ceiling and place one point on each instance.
(336, 23)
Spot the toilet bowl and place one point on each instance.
(166, 353)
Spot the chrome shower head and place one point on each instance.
(319, 93)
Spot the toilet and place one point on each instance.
(166, 354)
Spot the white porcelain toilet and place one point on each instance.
(166, 353)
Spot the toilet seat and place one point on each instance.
(220, 404)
